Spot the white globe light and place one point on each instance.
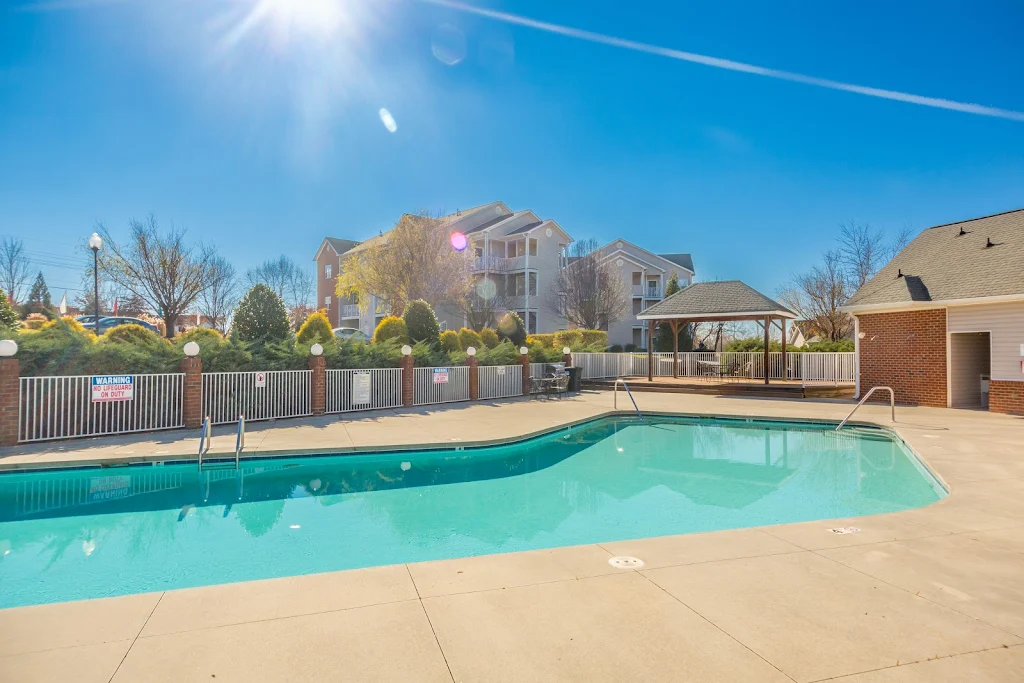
(8, 347)
(406, 350)
(566, 350)
(523, 350)
(471, 351)
(316, 350)
(191, 349)
(95, 241)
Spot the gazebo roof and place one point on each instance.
(722, 300)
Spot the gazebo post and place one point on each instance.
(675, 348)
(785, 369)
(650, 350)
(767, 327)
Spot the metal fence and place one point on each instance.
(349, 390)
(62, 407)
(500, 381)
(257, 395)
(441, 385)
(810, 368)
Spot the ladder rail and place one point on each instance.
(204, 440)
(239, 439)
(892, 404)
(615, 397)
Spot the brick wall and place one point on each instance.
(906, 351)
(1006, 397)
(325, 287)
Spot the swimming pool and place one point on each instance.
(75, 534)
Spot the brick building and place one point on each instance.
(943, 322)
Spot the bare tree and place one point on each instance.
(414, 260)
(491, 295)
(817, 295)
(158, 267)
(14, 268)
(293, 283)
(864, 250)
(589, 292)
(219, 297)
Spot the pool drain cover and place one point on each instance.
(623, 562)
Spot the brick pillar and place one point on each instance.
(192, 401)
(567, 359)
(318, 385)
(474, 379)
(408, 381)
(10, 372)
(525, 360)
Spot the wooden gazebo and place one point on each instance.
(724, 301)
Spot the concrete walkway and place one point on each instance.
(934, 594)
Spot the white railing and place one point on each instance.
(350, 311)
(429, 387)
(349, 390)
(810, 368)
(537, 370)
(500, 381)
(499, 264)
(61, 407)
(256, 395)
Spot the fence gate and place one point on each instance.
(257, 395)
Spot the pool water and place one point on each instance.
(74, 534)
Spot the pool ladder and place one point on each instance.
(205, 439)
(892, 404)
(615, 397)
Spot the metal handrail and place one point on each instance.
(615, 397)
(892, 404)
(239, 439)
(204, 440)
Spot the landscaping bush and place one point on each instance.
(571, 338)
(391, 327)
(449, 341)
(511, 327)
(630, 347)
(316, 330)
(357, 355)
(421, 322)
(504, 353)
(129, 334)
(261, 317)
(8, 318)
(615, 348)
(468, 337)
(841, 346)
(594, 338)
(542, 354)
(425, 355)
(489, 337)
(34, 321)
(546, 340)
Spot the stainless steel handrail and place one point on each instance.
(892, 404)
(204, 440)
(615, 397)
(239, 439)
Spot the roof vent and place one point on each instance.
(962, 232)
(988, 242)
(899, 272)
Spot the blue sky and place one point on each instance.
(262, 137)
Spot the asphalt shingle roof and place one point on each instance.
(341, 245)
(684, 260)
(724, 298)
(526, 228)
(950, 262)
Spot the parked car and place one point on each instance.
(86, 320)
(111, 322)
(350, 333)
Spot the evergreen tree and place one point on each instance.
(261, 317)
(8, 318)
(421, 322)
(38, 298)
(663, 342)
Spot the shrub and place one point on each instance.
(34, 321)
(207, 339)
(421, 322)
(129, 334)
(68, 323)
(489, 337)
(571, 338)
(503, 353)
(391, 327)
(630, 347)
(594, 337)
(545, 340)
(615, 348)
(261, 317)
(449, 341)
(542, 354)
(316, 329)
(8, 318)
(425, 355)
(511, 327)
(468, 337)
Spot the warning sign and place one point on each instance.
(107, 388)
(440, 375)
(261, 380)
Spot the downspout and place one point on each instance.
(856, 357)
(526, 277)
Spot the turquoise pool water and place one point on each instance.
(75, 534)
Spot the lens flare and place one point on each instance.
(459, 241)
(388, 120)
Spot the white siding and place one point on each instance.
(1005, 322)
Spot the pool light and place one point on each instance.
(523, 350)
(406, 350)
(566, 350)
(8, 347)
(316, 350)
(471, 351)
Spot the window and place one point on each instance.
(533, 284)
(636, 278)
(328, 269)
(531, 326)
(533, 247)
(327, 301)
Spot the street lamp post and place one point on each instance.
(95, 242)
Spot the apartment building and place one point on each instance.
(517, 257)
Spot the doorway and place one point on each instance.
(970, 369)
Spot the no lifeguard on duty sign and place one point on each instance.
(106, 388)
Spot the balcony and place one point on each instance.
(498, 264)
(647, 292)
(349, 311)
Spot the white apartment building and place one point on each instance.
(517, 258)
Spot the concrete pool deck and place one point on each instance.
(932, 594)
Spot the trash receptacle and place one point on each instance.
(575, 378)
